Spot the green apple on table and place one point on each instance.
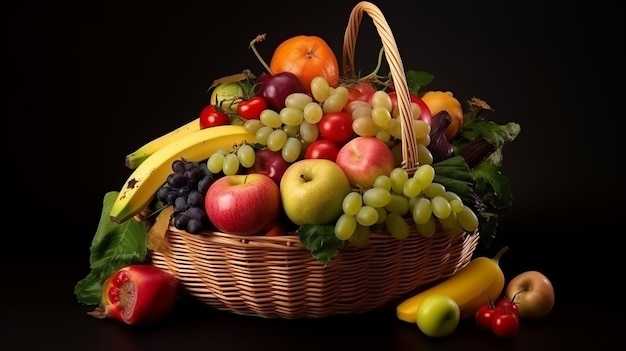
(312, 191)
(438, 315)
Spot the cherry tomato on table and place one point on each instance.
(501, 318)
(212, 116)
(508, 306)
(251, 108)
(505, 324)
(484, 316)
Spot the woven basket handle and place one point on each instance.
(409, 144)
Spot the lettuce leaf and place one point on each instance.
(113, 246)
(321, 241)
(416, 80)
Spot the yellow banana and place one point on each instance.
(472, 286)
(134, 159)
(150, 175)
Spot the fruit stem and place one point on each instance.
(517, 293)
(374, 74)
(259, 38)
(500, 253)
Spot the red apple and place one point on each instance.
(363, 159)
(243, 204)
(271, 163)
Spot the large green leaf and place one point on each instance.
(113, 246)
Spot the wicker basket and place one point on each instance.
(276, 277)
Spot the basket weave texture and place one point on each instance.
(277, 277)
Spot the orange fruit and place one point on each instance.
(438, 101)
(307, 57)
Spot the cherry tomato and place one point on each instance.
(360, 91)
(508, 306)
(321, 148)
(251, 108)
(212, 116)
(484, 316)
(336, 127)
(505, 324)
(426, 115)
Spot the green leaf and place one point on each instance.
(496, 134)
(488, 228)
(417, 80)
(113, 246)
(321, 241)
(496, 186)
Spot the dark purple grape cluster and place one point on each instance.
(185, 190)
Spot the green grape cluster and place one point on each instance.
(396, 197)
(230, 162)
(295, 125)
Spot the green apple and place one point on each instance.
(312, 191)
(438, 315)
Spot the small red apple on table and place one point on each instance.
(247, 204)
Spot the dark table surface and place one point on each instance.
(86, 84)
(40, 312)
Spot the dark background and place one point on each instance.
(88, 82)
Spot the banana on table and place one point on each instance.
(480, 281)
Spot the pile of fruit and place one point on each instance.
(301, 150)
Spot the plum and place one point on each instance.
(275, 88)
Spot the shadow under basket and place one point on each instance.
(276, 277)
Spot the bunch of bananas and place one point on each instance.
(151, 163)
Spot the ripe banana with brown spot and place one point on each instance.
(151, 174)
(480, 281)
(135, 158)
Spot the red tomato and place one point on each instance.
(336, 127)
(508, 306)
(153, 296)
(426, 116)
(484, 316)
(360, 91)
(325, 149)
(251, 108)
(212, 116)
(505, 324)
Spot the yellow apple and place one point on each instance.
(312, 191)
(533, 293)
